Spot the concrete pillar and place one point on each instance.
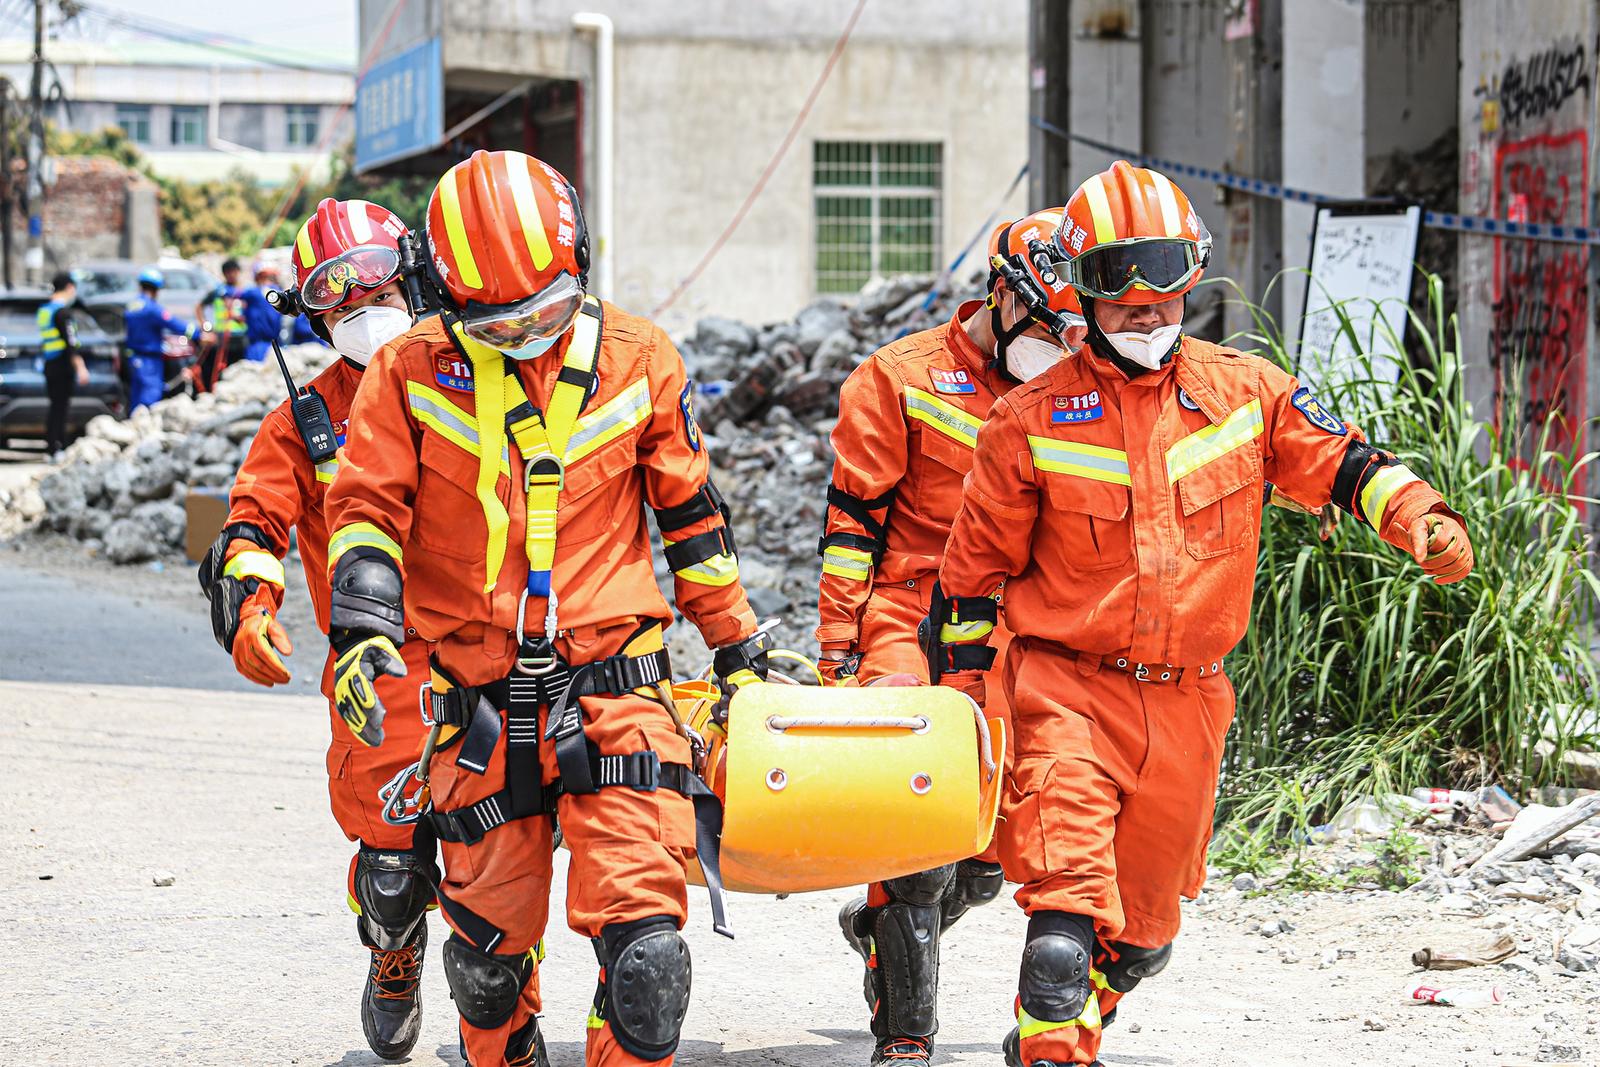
(141, 223)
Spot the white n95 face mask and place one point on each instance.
(1146, 349)
(365, 330)
(1029, 357)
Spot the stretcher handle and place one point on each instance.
(914, 723)
(986, 746)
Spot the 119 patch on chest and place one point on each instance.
(452, 372)
(1081, 407)
(952, 381)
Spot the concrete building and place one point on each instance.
(911, 144)
(1480, 107)
(196, 113)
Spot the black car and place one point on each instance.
(23, 401)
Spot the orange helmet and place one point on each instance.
(346, 250)
(1131, 237)
(1021, 254)
(507, 248)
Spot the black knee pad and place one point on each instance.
(1054, 985)
(645, 992)
(484, 986)
(924, 887)
(1124, 965)
(393, 890)
(975, 884)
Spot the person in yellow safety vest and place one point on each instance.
(63, 363)
(221, 312)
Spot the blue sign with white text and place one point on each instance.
(400, 106)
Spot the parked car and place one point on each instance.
(108, 286)
(23, 401)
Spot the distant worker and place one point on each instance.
(908, 420)
(147, 323)
(263, 324)
(221, 313)
(64, 368)
(347, 265)
(302, 333)
(1118, 499)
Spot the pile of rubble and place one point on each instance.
(768, 398)
(120, 488)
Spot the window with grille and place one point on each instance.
(301, 131)
(188, 125)
(134, 120)
(877, 210)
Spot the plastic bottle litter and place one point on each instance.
(1426, 993)
(1459, 798)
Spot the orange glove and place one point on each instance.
(259, 640)
(1439, 543)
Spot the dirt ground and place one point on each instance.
(128, 761)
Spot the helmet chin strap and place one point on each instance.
(1003, 338)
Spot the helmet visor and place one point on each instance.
(349, 274)
(548, 313)
(1162, 265)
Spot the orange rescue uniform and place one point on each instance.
(277, 488)
(407, 479)
(1123, 517)
(908, 421)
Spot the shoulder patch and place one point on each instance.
(452, 372)
(690, 428)
(1187, 401)
(1079, 407)
(1315, 413)
(951, 381)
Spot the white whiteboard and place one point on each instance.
(1362, 256)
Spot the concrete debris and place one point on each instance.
(1537, 826)
(1457, 957)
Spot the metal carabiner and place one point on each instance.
(545, 659)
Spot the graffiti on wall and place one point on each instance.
(1538, 139)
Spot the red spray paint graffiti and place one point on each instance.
(1538, 342)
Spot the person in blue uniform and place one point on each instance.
(262, 322)
(147, 323)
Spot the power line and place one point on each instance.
(772, 164)
(229, 44)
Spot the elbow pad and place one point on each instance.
(1367, 480)
(955, 634)
(368, 599)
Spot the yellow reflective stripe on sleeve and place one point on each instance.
(326, 470)
(960, 633)
(948, 419)
(1214, 442)
(1083, 461)
(610, 421)
(255, 564)
(720, 570)
(1380, 490)
(852, 563)
(1089, 1019)
(360, 535)
(455, 229)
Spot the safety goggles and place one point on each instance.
(363, 268)
(1159, 264)
(548, 313)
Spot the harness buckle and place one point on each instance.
(425, 703)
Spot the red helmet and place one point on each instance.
(507, 248)
(345, 251)
(1132, 237)
(1022, 254)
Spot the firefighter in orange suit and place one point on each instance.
(1117, 497)
(347, 266)
(908, 421)
(500, 463)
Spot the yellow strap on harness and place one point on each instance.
(497, 392)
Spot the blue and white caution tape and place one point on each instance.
(1438, 220)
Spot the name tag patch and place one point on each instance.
(1315, 413)
(453, 372)
(1083, 407)
(953, 381)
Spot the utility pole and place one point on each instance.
(34, 260)
(7, 203)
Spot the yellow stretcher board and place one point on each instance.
(831, 787)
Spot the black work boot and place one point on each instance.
(903, 1051)
(855, 921)
(525, 1048)
(391, 1004)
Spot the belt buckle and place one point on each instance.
(1141, 673)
